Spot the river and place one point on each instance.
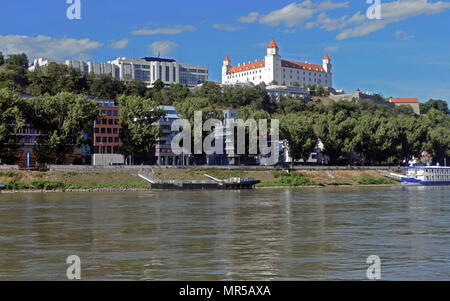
(263, 234)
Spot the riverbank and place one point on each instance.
(128, 180)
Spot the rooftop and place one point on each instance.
(250, 66)
(404, 100)
(299, 65)
(158, 59)
(273, 44)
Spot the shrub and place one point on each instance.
(14, 184)
(277, 173)
(367, 179)
(47, 185)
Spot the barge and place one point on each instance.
(215, 184)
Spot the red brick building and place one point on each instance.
(106, 128)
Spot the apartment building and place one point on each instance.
(147, 69)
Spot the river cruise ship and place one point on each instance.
(427, 175)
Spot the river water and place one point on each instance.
(264, 234)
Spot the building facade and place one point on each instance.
(274, 70)
(412, 102)
(106, 141)
(148, 70)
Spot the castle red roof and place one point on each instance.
(304, 66)
(273, 44)
(246, 67)
(326, 57)
(227, 58)
(404, 100)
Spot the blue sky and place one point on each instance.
(405, 54)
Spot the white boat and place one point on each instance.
(426, 175)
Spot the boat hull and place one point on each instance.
(205, 186)
(413, 181)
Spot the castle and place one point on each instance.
(274, 70)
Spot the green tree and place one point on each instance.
(290, 105)
(243, 96)
(374, 138)
(105, 86)
(20, 60)
(439, 144)
(190, 105)
(2, 58)
(411, 137)
(11, 120)
(438, 104)
(138, 117)
(179, 92)
(136, 88)
(158, 85)
(210, 91)
(335, 132)
(64, 119)
(56, 78)
(298, 130)
(13, 72)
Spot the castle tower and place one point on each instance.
(225, 68)
(273, 63)
(327, 63)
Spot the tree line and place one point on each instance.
(352, 132)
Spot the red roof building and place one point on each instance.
(274, 70)
(412, 102)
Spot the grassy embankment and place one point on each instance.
(284, 179)
(31, 180)
(127, 179)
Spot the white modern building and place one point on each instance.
(274, 70)
(148, 70)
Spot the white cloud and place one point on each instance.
(324, 22)
(121, 44)
(226, 27)
(292, 14)
(394, 12)
(288, 31)
(362, 30)
(303, 14)
(163, 48)
(46, 46)
(172, 30)
(250, 18)
(403, 35)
